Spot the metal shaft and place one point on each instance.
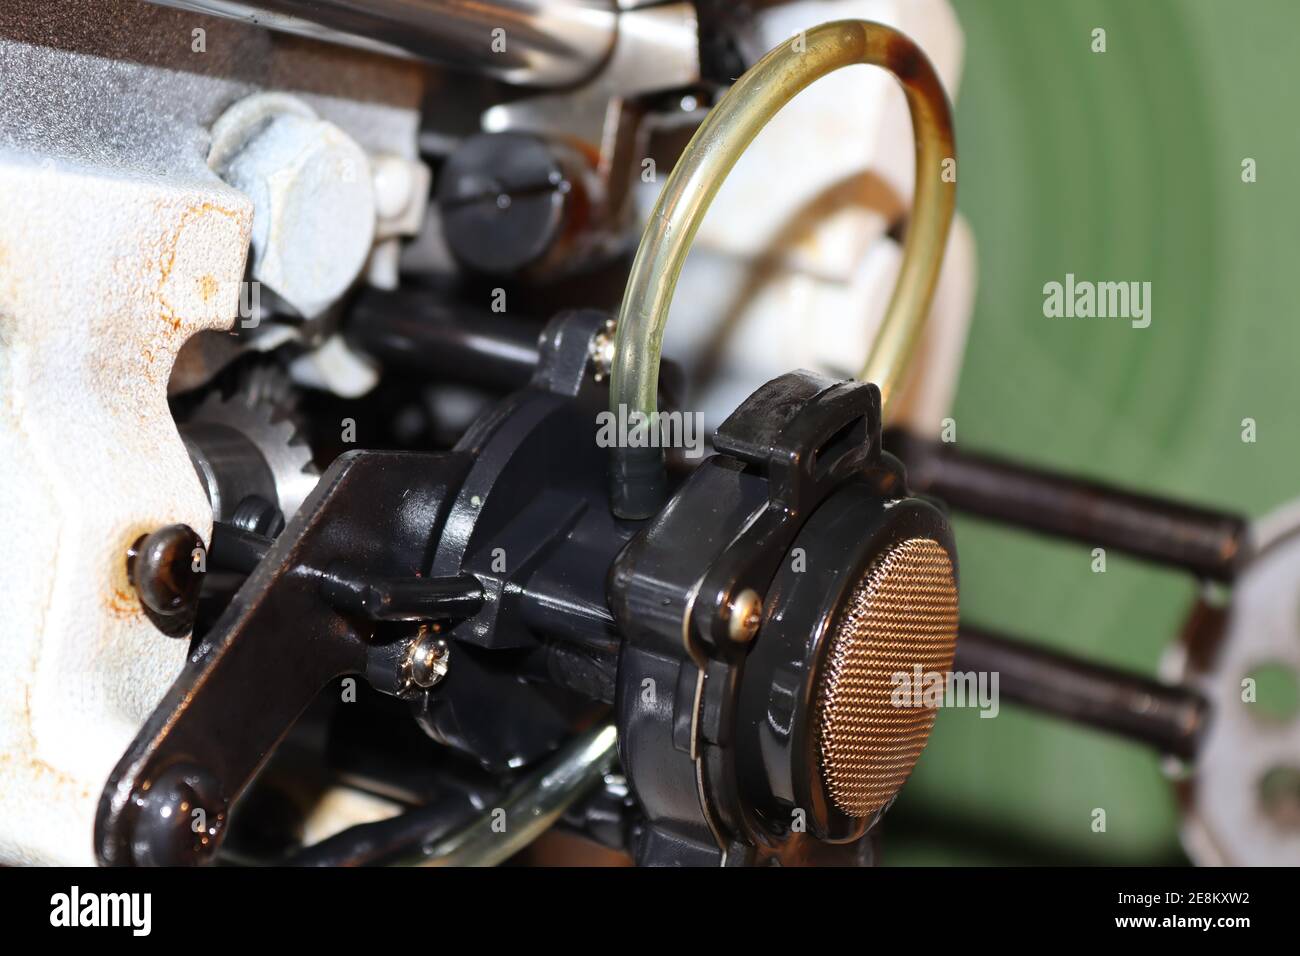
(420, 332)
(404, 599)
(1208, 543)
(1167, 718)
(235, 549)
(372, 844)
(531, 807)
(530, 42)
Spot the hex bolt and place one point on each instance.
(744, 614)
(161, 567)
(313, 197)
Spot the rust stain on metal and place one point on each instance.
(207, 287)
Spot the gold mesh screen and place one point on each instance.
(871, 727)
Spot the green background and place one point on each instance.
(1123, 165)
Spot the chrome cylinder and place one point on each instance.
(530, 42)
(531, 807)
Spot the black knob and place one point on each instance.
(505, 201)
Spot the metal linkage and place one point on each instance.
(392, 559)
(168, 800)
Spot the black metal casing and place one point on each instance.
(720, 762)
(552, 607)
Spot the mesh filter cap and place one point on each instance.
(903, 613)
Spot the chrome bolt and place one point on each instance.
(744, 614)
(426, 659)
(602, 350)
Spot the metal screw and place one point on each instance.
(744, 614)
(254, 513)
(161, 568)
(602, 350)
(426, 659)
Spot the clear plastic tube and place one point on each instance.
(637, 483)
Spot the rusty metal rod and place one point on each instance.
(1209, 543)
(1166, 717)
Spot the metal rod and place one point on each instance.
(588, 671)
(373, 844)
(1211, 544)
(421, 332)
(235, 549)
(1167, 718)
(404, 599)
(531, 42)
(531, 807)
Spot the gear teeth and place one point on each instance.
(262, 410)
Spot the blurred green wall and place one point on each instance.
(1123, 165)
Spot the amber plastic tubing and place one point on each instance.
(637, 477)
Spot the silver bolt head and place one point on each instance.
(745, 613)
(602, 350)
(428, 660)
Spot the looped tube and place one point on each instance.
(638, 483)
